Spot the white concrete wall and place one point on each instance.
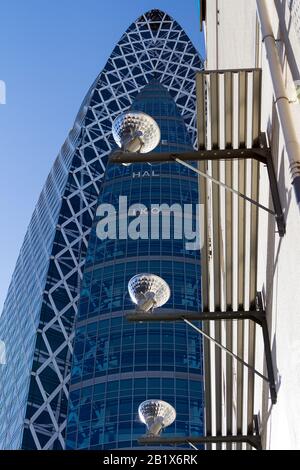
(233, 42)
(230, 29)
(281, 281)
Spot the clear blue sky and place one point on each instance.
(50, 53)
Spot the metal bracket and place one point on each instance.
(273, 185)
(258, 316)
(254, 440)
(262, 154)
(161, 315)
(267, 348)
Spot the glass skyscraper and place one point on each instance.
(117, 365)
(37, 323)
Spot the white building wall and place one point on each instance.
(230, 28)
(233, 41)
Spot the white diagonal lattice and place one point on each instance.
(38, 317)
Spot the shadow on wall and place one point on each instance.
(287, 52)
(267, 405)
(272, 261)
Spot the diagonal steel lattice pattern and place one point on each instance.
(38, 317)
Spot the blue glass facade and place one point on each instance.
(117, 364)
